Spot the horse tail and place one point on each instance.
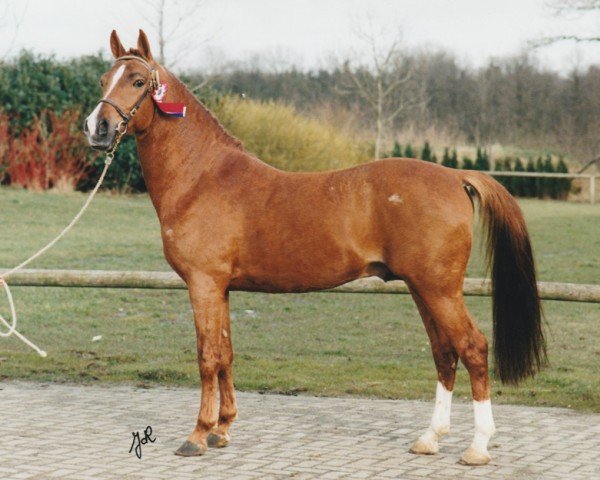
(519, 344)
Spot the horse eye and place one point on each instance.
(138, 83)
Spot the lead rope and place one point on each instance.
(12, 326)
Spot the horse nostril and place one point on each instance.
(102, 129)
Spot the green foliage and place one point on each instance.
(467, 163)
(426, 152)
(510, 182)
(282, 137)
(551, 187)
(482, 161)
(124, 174)
(521, 182)
(540, 187)
(564, 184)
(31, 84)
(454, 159)
(448, 160)
(531, 186)
(499, 167)
(446, 157)
(530, 182)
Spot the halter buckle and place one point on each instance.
(122, 126)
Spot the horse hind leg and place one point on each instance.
(452, 318)
(445, 358)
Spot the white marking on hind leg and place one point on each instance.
(440, 422)
(484, 425)
(477, 453)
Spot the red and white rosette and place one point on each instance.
(168, 108)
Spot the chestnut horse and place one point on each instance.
(231, 222)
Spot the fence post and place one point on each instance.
(592, 189)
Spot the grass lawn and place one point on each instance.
(320, 343)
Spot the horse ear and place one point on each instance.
(117, 48)
(143, 45)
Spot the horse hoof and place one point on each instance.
(421, 447)
(473, 457)
(190, 449)
(216, 440)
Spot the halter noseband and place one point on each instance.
(152, 85)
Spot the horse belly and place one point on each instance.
(309, 263)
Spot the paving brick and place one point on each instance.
(87, 434)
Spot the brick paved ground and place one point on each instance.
(74, 432)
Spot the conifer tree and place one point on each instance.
(426, 152)
(482, 161)
(499, 167)
(408, 152)
(467, 163)
(565, 183)
(477, 158)
(510, 181)
(540, 183)
(446, 157)
(397, 150)
(454, 159)
(551, 183)
(486, 160)
(521, 182)
(531, 182)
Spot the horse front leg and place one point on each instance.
(209, 305)
(219, 436)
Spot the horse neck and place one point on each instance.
(176, 152)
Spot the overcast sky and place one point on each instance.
(304, 32)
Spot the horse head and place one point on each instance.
(126, 88)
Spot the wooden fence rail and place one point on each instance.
(569, 292)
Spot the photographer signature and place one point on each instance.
(136, 444)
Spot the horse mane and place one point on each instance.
(223, 133)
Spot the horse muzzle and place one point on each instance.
(99, 132)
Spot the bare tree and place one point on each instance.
(12, 15)
(574, 8)
(386, 84)
(173, 21)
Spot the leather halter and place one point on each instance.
(152, 85)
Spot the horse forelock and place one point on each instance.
(135, 52)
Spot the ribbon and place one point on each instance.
(169, 108)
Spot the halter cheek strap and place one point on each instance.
(152, 85)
